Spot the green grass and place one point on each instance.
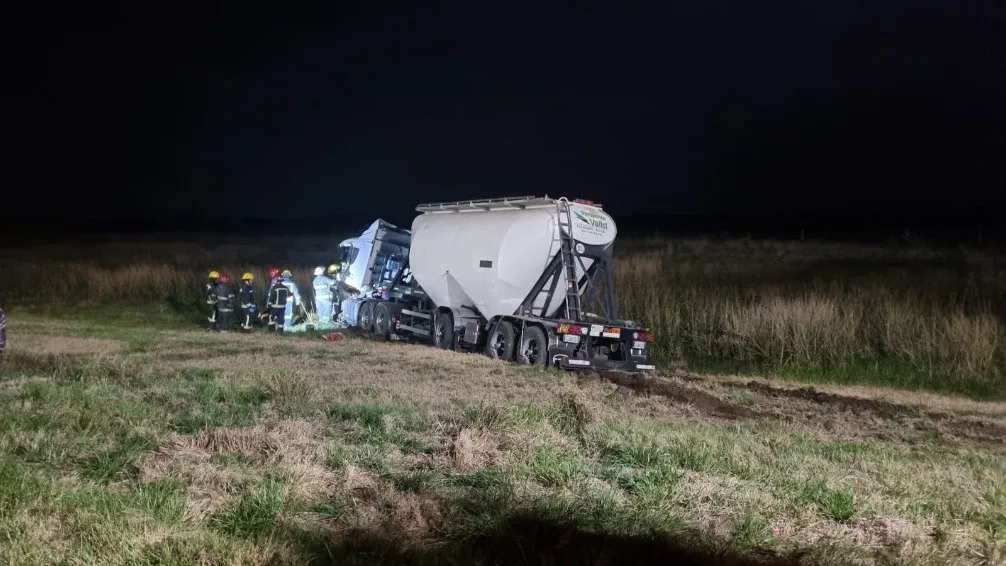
(81, 436)
(123, 318)
(256, 512)
(107, 465)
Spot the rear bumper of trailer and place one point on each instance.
(603, 365)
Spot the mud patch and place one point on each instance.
(947, 423)
(969, 428)
(857, 405)
(703, 401)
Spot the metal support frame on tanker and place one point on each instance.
(608, 302)
(553, 272)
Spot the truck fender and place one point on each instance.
(468, 324)
(462, 314)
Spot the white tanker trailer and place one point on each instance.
(523, 279)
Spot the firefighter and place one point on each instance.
(333, 272)
(323, 296)
(294, 295)
(210, 298)
(224, 303)
(273, 274)
(279, 296)
(246, 297)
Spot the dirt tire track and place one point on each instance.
(664, 387)
(857, 405)
(955, 425)
(863, 408)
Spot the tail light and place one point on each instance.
(572, 329)
(642, 336)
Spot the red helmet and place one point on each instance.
(273, 272)
(224, 278)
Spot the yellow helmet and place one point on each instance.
(214, 275)
(334, 268)
(247, 277)
(286, 273)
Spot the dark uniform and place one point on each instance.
(279, 295)
(248, 308)
(224, 296)
(336, 291)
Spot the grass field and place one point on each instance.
(140, 445)
(130, 436)
(900, 315)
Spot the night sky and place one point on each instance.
(258, 110)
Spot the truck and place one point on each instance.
(522, 279)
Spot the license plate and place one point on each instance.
(596, 329)
(639, 345)
(571, 338)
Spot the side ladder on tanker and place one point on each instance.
(563, 242)
(566, 244)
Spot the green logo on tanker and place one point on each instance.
(596, 222)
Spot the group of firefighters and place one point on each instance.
(283, 299)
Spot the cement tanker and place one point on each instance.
(492, 259)
(522, 279)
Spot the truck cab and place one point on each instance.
(369, 263)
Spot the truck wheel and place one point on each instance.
(382, 321)
(443, 332)
(533, 348)
(367, 317)
(500, 344)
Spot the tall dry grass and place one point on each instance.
(804, 304)
(152, 271)
(776, 303)
(87, 283)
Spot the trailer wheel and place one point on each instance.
(500, 343)
(367, 317)
(443, 332)
(382, 321)
(533, 348)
